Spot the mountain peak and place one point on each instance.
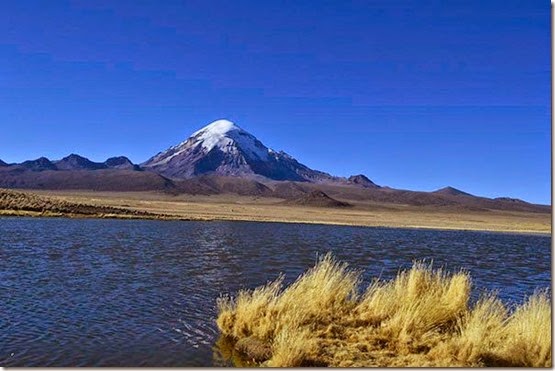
(218, 127)
(451, 191)
(223, 148)
(77, 162)
(229, 138)
(317, 198)
(362, 180)
(40, 164)
(510, 199)
(120, 162)
(75, 157)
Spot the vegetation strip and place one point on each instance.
(144, 205)
(420, 318)
(19, 203)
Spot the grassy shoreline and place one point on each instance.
(34, 214)
(141, 205)
(421, 318)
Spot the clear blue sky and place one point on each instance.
(414, 94)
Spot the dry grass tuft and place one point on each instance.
(527, 334)
(24, 203)
(420, 318)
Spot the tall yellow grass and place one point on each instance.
(420, 318)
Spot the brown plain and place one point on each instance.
(264, 209)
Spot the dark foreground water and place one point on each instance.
(142, 293)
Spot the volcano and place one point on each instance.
(223, 148)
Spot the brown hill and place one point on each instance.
(235, 185)
(34, 175)
(450, 191)
(40, 164)
(363, 181)
(121, 162)
(289, 190)
(95, 180)
(387, 195)
(76, 162)
(318, 199)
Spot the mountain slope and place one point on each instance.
(97, 180)
(222, 158)
(363, 181)
(223, 148)
(122, 163)
(40, 164)
(316, 198)
(76, 162)
(450, 191)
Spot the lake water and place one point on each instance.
(142, 293)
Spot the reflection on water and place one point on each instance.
(142, 293)
(225, 355)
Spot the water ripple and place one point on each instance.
(142, 293)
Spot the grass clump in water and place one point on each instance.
(420, 318)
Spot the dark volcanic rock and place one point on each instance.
(121, 162)
(363, 181)
(39, 164)
(3, 164)
(98, 180)
(317, 198)
(511, 200)
(450, 191)
(76, 162)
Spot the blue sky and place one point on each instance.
(414, 94)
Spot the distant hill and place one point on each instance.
(122, 163)
(224, 158)
(510, 200)
(450, 191)
(289, 190)
(40, 164)
(362, 180)
(97, 180)
(316, 198)
(76, 162)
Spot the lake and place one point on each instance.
(142, 293)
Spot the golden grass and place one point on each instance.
(13, 203)
(420, 318)
(233, 207)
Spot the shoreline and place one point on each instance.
(423, 317)
(167, 217)
(232, 207)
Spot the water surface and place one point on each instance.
(142, 293)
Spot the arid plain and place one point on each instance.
(263, 209)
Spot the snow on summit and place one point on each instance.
(223, 148)
(218, 127)
(228, 137)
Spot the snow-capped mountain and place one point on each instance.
(223, 148)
